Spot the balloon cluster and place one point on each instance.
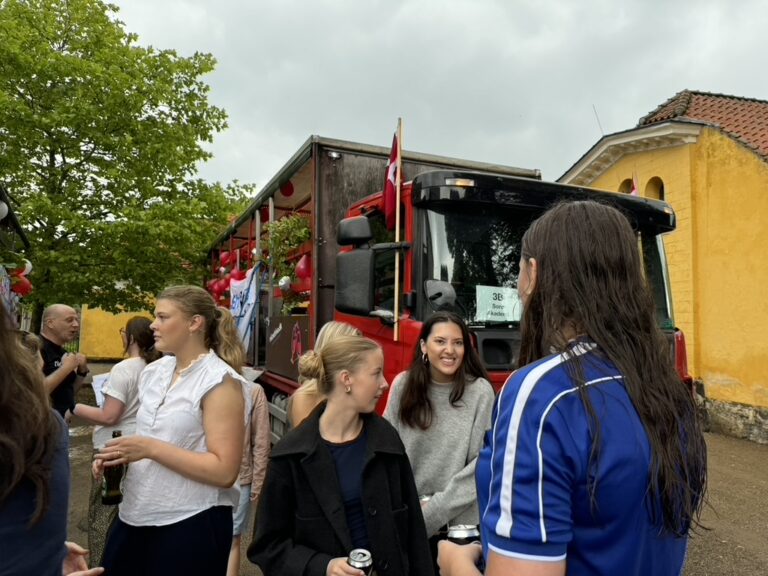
(20, 284)
(228, 270)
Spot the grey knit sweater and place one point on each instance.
(443, 457)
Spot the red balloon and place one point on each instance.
(21, 286)
(287, 189)
(237, 274)
(221, 286)
(304, 267)
(264, 214)
(225, 258)
(210, 284)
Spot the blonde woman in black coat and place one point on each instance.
(341, 480)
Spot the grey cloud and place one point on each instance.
(512, 82)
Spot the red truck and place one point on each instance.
(461, 226)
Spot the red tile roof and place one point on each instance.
(744, 119)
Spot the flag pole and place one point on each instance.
(397, 227)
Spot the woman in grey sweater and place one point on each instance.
(442, 407)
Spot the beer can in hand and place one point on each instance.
(361, 559)
(463, 534)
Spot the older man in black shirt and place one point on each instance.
(63, 371)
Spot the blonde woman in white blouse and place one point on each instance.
(178, 493)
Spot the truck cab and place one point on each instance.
(461, 234)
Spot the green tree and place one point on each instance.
(100, 139)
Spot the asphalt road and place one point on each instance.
(734, 543)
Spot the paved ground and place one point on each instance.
(735, 543)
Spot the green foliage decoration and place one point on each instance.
(283, 236)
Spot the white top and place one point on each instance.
(123, 385)
(154, 495)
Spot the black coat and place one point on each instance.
(301, 523)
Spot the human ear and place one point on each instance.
(533, 270)
(195, 323)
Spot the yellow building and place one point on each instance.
(100, 333)
(707, 155)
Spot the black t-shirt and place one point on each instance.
(349, 458)
(63, 396)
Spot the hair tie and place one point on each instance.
(217, 313)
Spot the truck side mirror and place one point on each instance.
(354, 231)
(354, 280)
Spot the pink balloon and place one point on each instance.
(237, 274)
(304, 267)
(225, 258)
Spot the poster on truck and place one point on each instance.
(243, 297)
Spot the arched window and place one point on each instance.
(655, 189)
(626, 186)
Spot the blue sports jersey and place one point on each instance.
(532, 475)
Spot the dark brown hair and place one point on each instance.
(138, 330)
(416, 409)
(29, 432)
(590, 277)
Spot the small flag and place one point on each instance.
(635, 186)
(390, 185)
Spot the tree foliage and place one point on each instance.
(100, 139)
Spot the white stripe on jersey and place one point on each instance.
(541, 455)
(504, 524)
(534, 557)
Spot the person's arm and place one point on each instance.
(108, 415)
(116, 397)
(260, 441)
(456, 560)
(223, 409)
(55, 378)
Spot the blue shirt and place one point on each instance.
(533, 475)
(37, 549)
(349, 458)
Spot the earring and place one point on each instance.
(424, 358)
(349, 389)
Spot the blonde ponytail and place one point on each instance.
(226, 340)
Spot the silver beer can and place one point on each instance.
(361, 559)
(463, 533)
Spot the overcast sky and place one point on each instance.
(506, 81)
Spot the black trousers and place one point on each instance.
(197, 546)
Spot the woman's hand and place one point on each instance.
(339, 567)
(74, 562)
(457, 560)
(97, 469)
(125, 450)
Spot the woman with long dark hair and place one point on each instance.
(183, 461)
(118, 412)
(34, 468)
(596, 463)
(441, 406)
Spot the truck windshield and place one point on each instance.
(470, 261)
